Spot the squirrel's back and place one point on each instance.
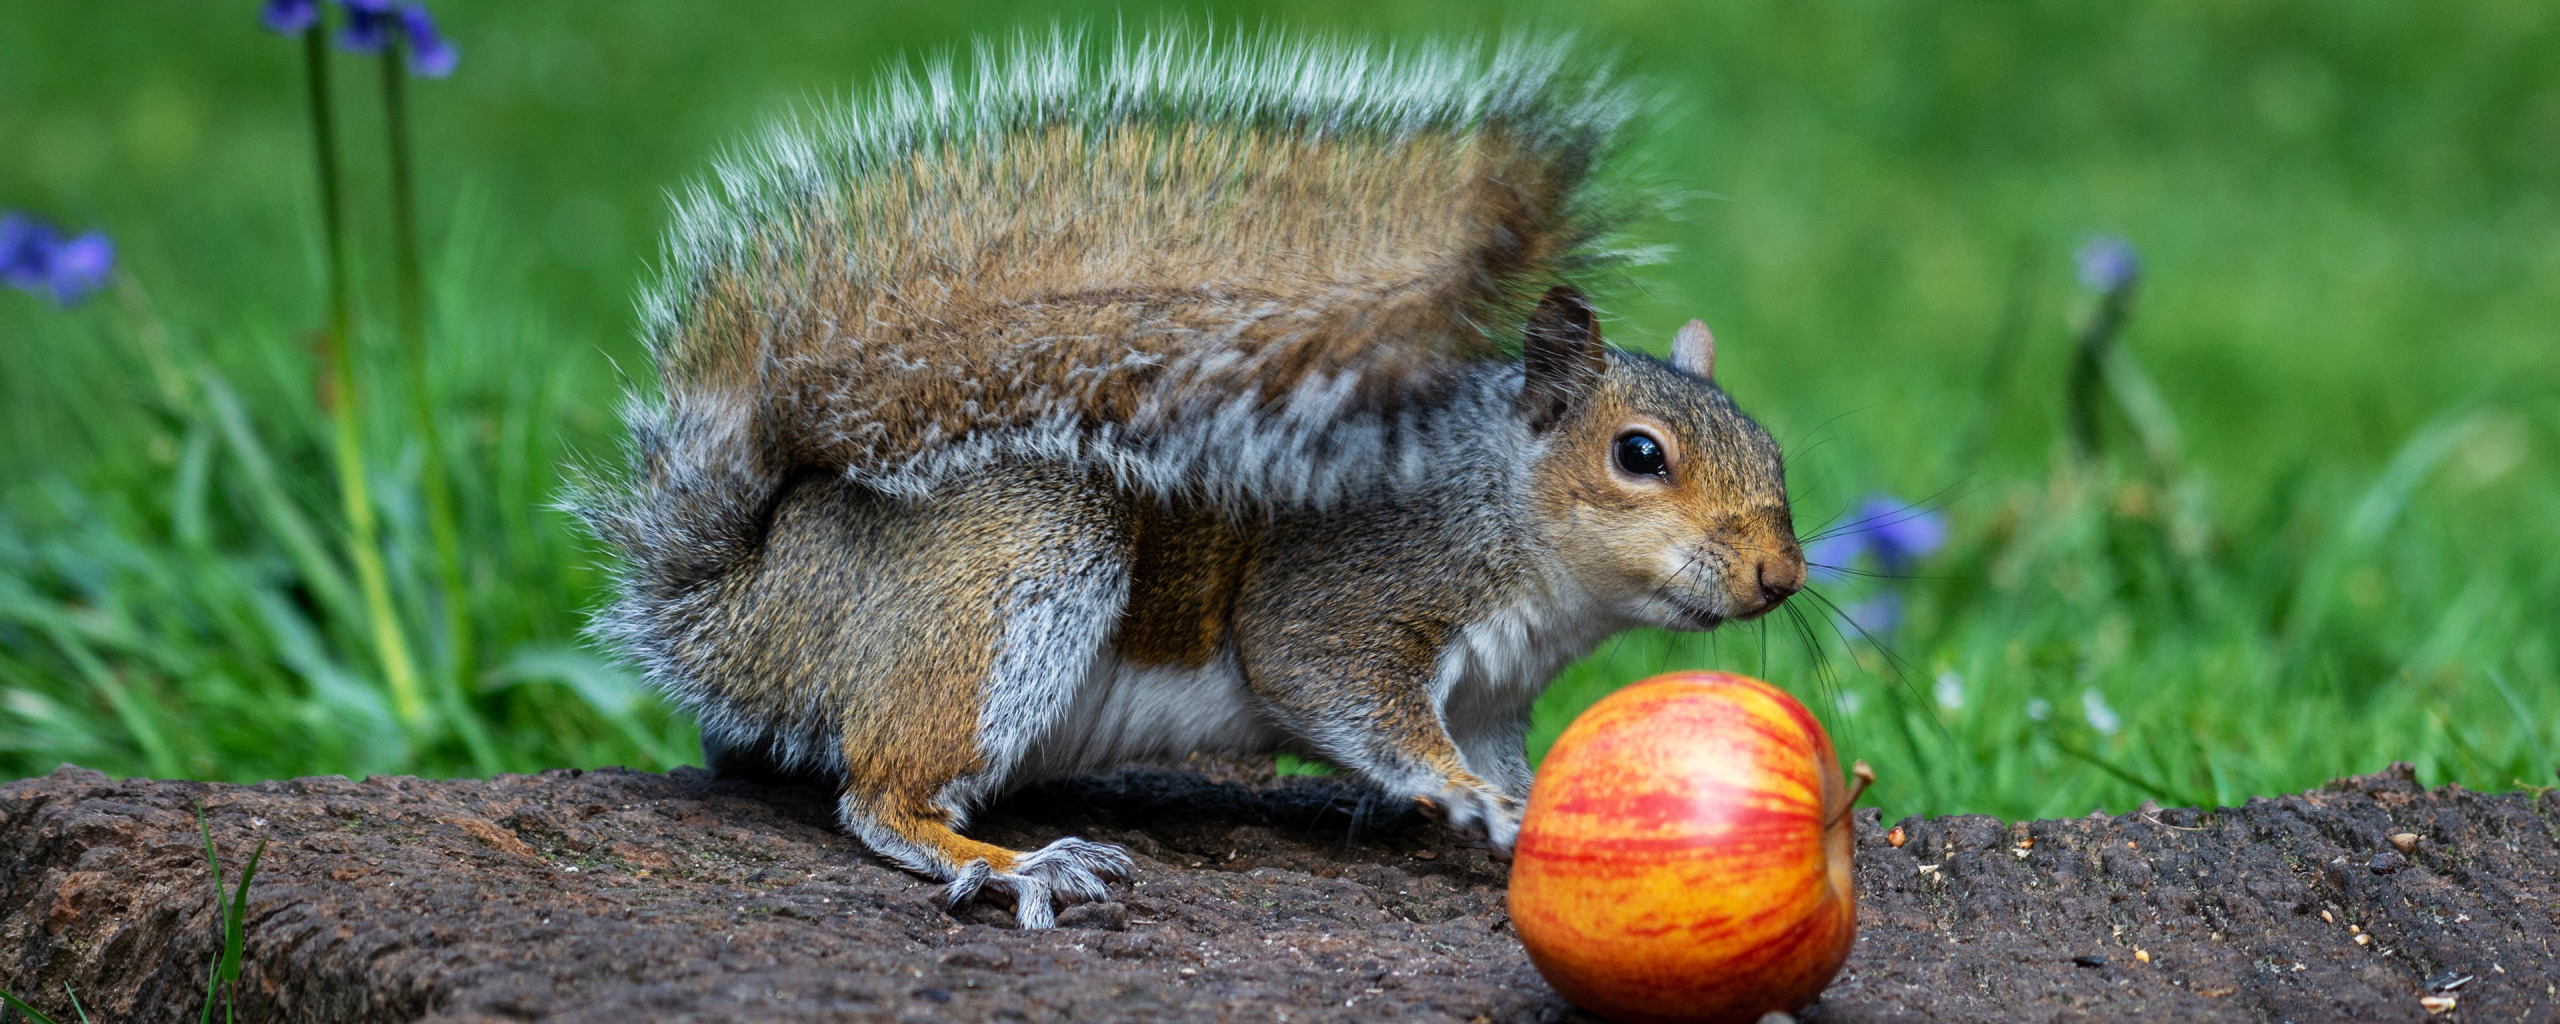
(1173, 254)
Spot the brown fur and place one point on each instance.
(883, 617)
(912, 310)
(1189, 565)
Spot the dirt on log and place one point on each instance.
(617, 896)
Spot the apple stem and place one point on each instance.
(1866, 777)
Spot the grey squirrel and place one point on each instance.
(1106, 405)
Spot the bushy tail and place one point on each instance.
(693, 509)
(1226, 271)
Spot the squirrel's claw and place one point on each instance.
(1076, 868)
(964, 884)
(1476, 814)
(1070, 870)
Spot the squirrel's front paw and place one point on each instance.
(1477, 813)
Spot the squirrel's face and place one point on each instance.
(1661, 499)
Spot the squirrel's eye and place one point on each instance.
(1640, 454)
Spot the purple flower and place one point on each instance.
(1876, 617)
(429, 54)
(80, 266)
(1897, 534)
(369, 25)
(25, 247)
(34, 257)
(1904, 533)
(2108, 263)
(290, 16)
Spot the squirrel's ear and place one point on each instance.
(1694, 350)
(1561, 358)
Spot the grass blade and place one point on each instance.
(2372, 518)
(2524, 718)
(213, 862)
(136, 719)
(32, 1013)
(212, 986)
(606, 689)
(283, 518)
(2088, 757)
(235, 923)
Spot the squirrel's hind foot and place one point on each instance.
(1077, 868)
(1070, 870)
(1476, 812)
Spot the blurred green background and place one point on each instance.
(2324, 535)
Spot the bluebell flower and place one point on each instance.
(429, 54)
(80, 266)
(2108, 263)
(35, 257)
(1829, 557)
(25, 245)
(1903, 534)
(369, 25)
(1876, 617)
(290, 16)
(1895, 533)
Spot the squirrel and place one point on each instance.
(1098, 406)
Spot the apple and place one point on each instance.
(1685, 854)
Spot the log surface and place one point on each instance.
(616, 896)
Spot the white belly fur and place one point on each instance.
(1495, 670)
(1126, 712)
(1485, 682)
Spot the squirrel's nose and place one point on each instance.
(1779, 576)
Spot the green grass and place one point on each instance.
(2341, 549)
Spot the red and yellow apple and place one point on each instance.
(1685, 855)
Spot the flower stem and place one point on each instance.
(410, 279)
(2088, 360)
(343, 402)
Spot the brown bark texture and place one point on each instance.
(616, 896)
